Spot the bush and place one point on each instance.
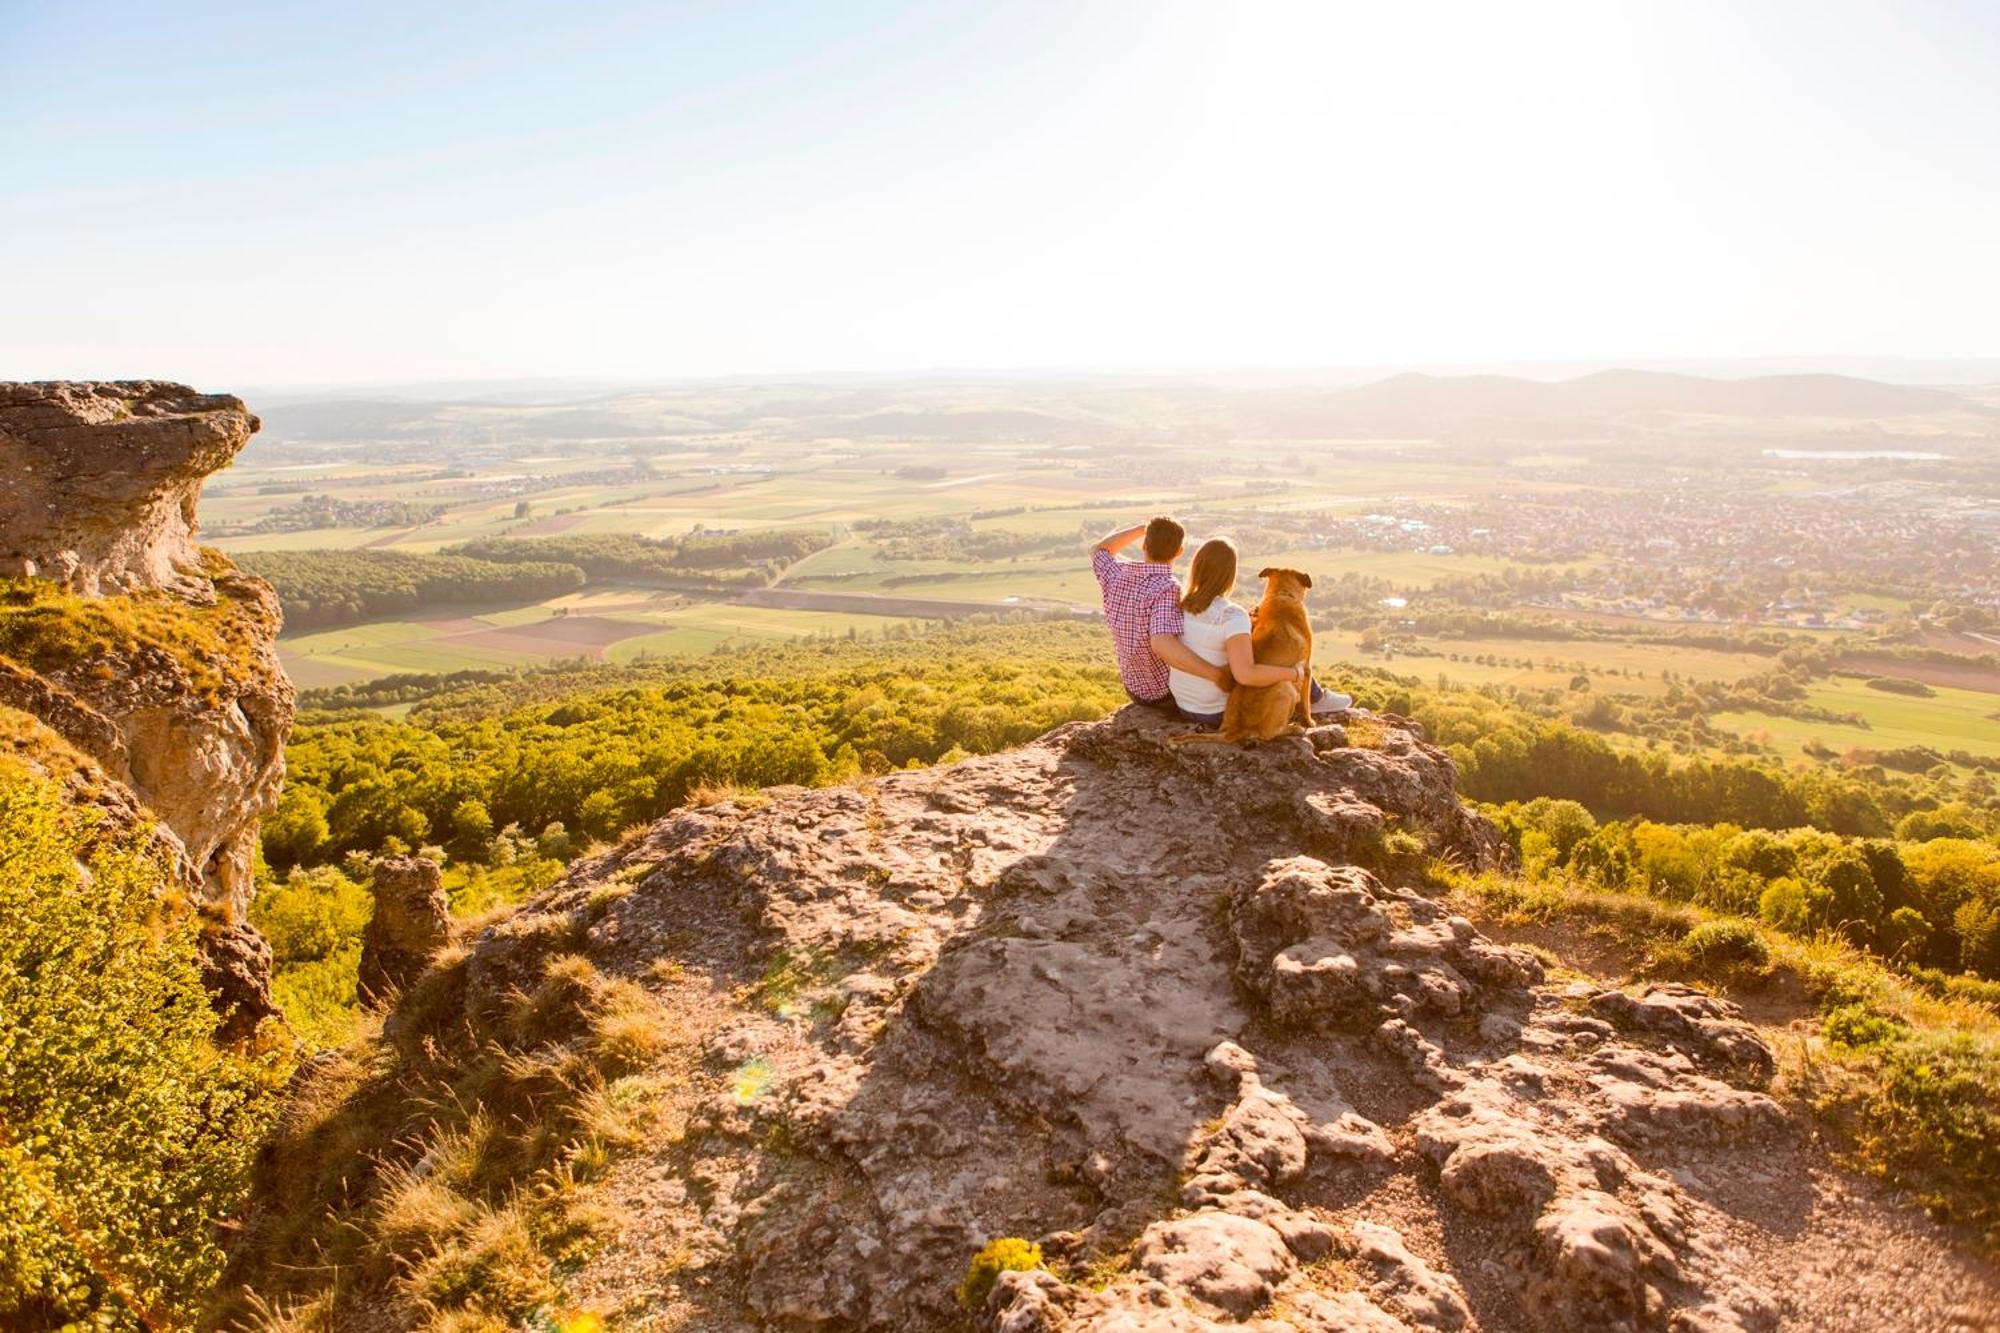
(311, 914)
(1933, 1121)
(1009, 1254)
(1715, 948)
(125, 1133)
(1786, 905)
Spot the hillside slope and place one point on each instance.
(789, 1061)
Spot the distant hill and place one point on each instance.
(968, 424)
(1430, 402)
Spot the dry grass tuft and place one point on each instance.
(1366, 733)
(456, 1178)
(716, 793)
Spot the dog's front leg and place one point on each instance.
(1306, 691)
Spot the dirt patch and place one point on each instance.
(1952, 675)
(586, 636)
(456, 625)
(1596, 949)
(1779, 1001)
(553, 525)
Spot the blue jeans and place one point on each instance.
(1164, 704)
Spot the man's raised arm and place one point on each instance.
(1120, 539)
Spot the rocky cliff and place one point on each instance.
(1187, 1020)
(148, 654)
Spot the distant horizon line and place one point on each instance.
(1927, 370)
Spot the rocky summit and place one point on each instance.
(1187, 1022)
(150, 657)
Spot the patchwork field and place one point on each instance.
(606, 624)
(1615, 666)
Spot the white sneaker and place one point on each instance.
(1331, 702)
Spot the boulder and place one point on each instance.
(412, 921)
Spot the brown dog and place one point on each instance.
(1280, 635)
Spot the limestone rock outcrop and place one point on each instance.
(1190, 1020)
(149, 654)
(103, 481)
(411, 922)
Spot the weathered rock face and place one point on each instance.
(186, 704)
(412, 921)
(1185, 1017)
(103, 480)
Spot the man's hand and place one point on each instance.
(1121, 539)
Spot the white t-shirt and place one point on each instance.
(1205, 634)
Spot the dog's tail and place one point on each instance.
(1200, 738)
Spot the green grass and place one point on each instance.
(49, 630)
(1950, 720)
(315, 539)
(1555, 662)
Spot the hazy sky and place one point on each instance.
(267, 192)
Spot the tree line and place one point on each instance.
(324, 589)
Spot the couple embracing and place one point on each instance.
(1180, 650)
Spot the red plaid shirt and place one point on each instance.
(1140, 600)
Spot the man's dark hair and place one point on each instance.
(1163, 540)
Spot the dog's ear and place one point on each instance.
(1267, 573)
(1304, 577)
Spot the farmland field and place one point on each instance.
(613, 625)
(1616, 665)
(1952, 720)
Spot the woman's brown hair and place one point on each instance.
(1212, 574)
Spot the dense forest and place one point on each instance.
(736, 558)
(323, 589)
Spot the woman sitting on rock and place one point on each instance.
(1218, 632)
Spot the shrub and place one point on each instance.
(311, 914)
(1715, 948)
(1906, 934)
(1978, 925)
(125, 1133)
(1785, 904)
(1009, 1254)
(1933, 1120)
